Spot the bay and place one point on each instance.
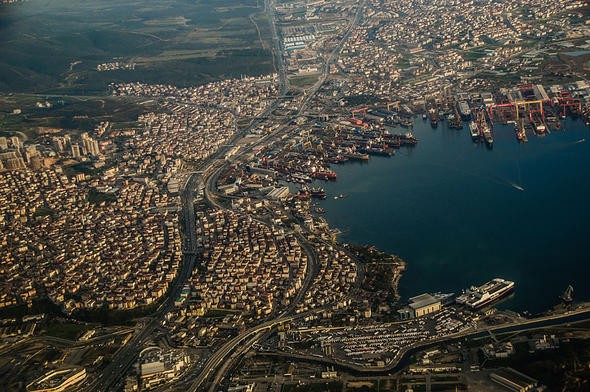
(461, 214)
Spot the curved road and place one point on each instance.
(582, 315)
(111, 377)
(224, 354)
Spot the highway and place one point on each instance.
(221, 355)
(277, 51)
(231, 346)
(111, 377)
(399, 361)
(224, 354)
(332, 56)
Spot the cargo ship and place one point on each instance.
(484, 128)
(520, 131)
(455, 122)
(338, 159)
(464, 111)
(386, 152)
(537, 124)
(324, 175)
(553, 122)
(301, 178)
(477, 297)
(474, 131)
(356, 156)
(433, 118)
(487, 135)
(303, 193)
(398, 140)
(318, 193)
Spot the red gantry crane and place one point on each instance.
(357, 121)
(566, 100)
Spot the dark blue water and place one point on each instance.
(453, 211)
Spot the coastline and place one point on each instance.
(377, 262)
(392, 229)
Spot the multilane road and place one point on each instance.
(112, 376)
(225, 352)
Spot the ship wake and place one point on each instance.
(516, 186)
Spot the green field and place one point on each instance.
(303, 81)
(66, 330)
(54, 46)
(73, 113)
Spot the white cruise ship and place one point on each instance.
(476, 297)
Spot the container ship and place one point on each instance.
(477, 297)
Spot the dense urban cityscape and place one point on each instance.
(185, 246)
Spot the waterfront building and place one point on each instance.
(514, 380)
(420, 305)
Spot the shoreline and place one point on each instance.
(454, 139)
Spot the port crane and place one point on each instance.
(504, 107)
(357, 121)
(361, 110)
(527, 90)
(568, 294)
(527, 105)
(566, 100)
(394, 105)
